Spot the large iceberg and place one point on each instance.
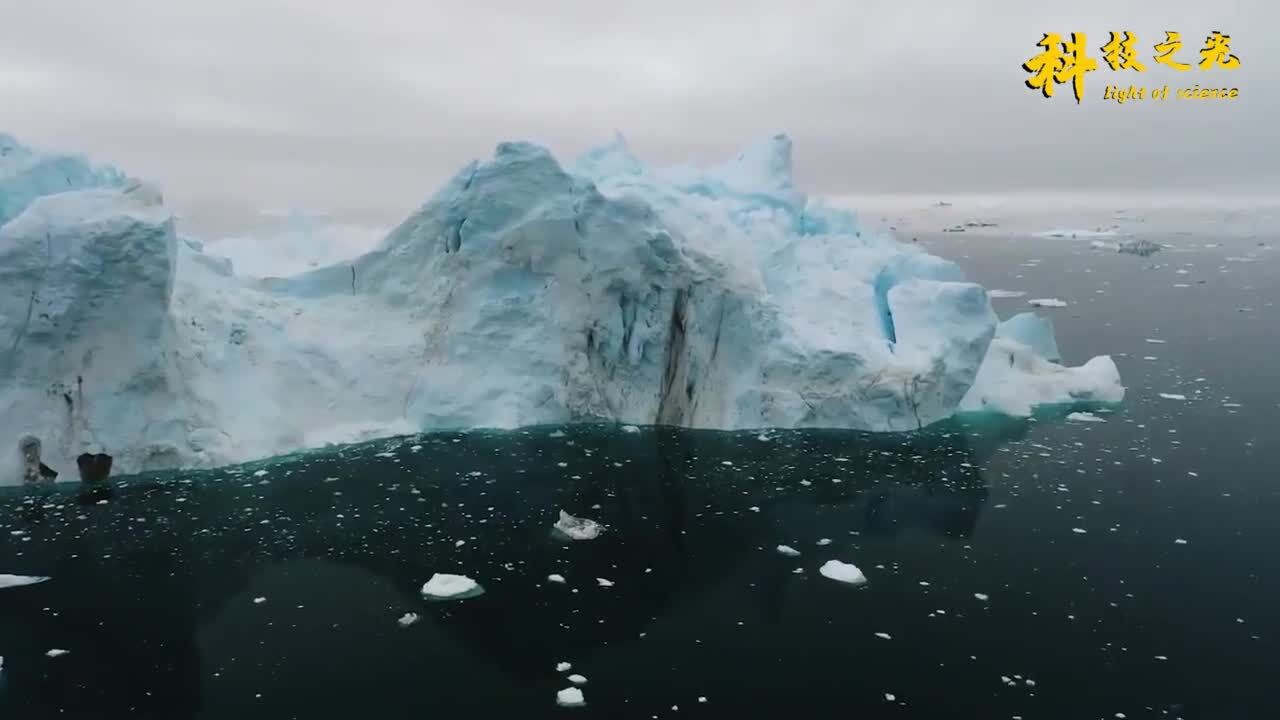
(523, 292)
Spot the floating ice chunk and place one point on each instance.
(982, 596)
(443, 586)
(407, 619)
(10, 581)
(824, 541)
(260, 473)
(56, 652)
(570, 697)
(1047, 302)
(842, 572)
(1173, 396)
(576, 528)
(630, 429)
(1179, 541)
(259, 600)
(890, 697)
(563, 667)
(604, 583)
(788, 551)
(556, 578)
(577, 679)
(1004, 294)
(1154, 341)
(884, 636)
(1085, 417)
(1079, 531)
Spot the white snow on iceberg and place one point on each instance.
(523, 292)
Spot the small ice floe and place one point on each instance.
(556, 578)
(1154, 341)
(577, 679)
(259, 600)
(563, 667)
(788, 551)
(999, 294)
(443, 586)
(1179, 541)
(1047, 303)
(407, 619)
(1173, 396)
(1162, 658)
(260, 473)
(1079, 531)
(763, 437)
(570, 697)
(890, 697)
(575, 528)
(754, 508)
(10, 581)
(604, 583)
(1084, 417)
(842, 572)
(982, 596)
(630, 429)
(557, 434)
(884, 636)
(56, 652)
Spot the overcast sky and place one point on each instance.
(365, 107)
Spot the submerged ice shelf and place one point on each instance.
(523, 292)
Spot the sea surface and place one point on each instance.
(1017, 568)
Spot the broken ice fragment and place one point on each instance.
(1173, 396)
(982, 596)
(842, 572)
(1047, 302)
(1084, 417)
(570, 697)
(577, 679)
(576, 528)
(56, 652)
(884, 636)
(443, 586)
(788, 551)
(556, 578)
(9, 581)
(604, 583)
(407, 619)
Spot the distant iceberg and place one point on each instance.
(523, 292)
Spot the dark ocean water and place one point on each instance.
(235, 594)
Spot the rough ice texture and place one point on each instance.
(576, 528)
(523, 292)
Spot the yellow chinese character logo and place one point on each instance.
(1217, 51)
(1056, 65)
(1120, 53)
(1166, 50)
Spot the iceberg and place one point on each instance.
(523, 292)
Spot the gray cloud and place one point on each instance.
(363, 108)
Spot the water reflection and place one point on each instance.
(154, 579)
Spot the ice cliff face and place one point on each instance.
(523, 292)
